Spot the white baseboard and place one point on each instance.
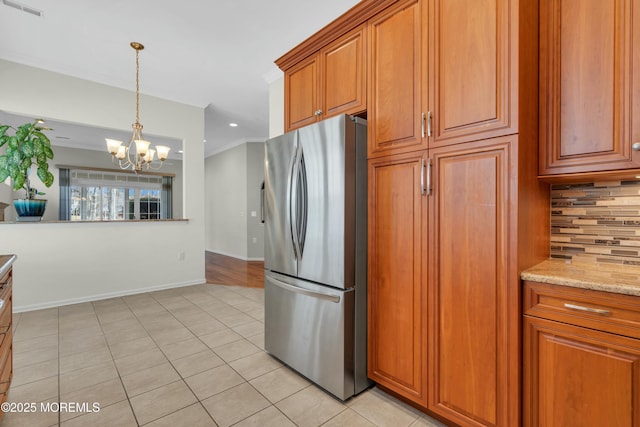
(97, 297)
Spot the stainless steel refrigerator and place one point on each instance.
(315, 215)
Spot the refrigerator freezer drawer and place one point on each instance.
(310, 328)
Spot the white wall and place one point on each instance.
(233, 179)
(226, 202)
(60, 263)
(276, 107)
(255, 178)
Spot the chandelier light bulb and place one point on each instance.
(113, 145)
(163, 152)
(142, 147)
(122, 152)
(148, 158)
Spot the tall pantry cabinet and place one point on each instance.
(455, 207)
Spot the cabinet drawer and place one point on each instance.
(605, 311)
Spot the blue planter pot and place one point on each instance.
(30, 210)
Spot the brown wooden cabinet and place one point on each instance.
(576, 375)
(461, 64)
(441, 73)
(473, 327)
(6, 325)
(474, 84)
(328, 83)
(455, 207)
(397, 88)
(301, 84)
(397, 306)
(444, 261)
(589, 85)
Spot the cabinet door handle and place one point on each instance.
(422, 124)
(636, 146)
(428, 177)
(317, 112)
(429, 124)
(422, 177)
(588, 309)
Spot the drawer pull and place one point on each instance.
(588, 309)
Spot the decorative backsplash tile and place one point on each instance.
(596, 222)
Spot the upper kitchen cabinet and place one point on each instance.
(344, 79)
(472, 70)
(589, 86)
(328, 83)
(396, 86)
(441, 73)
(301, 94)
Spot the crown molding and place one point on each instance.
(355, 16)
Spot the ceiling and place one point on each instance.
(215, 54)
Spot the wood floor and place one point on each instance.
(226, 270)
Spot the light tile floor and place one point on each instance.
(189, 356)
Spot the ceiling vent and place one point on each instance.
(22, 7)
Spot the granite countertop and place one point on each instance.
(5, 263)
(621, 279)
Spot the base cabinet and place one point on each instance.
(397, 321)
(578, 370)
(579, 377)
(6, 336)
(470, 289)
(442, 331)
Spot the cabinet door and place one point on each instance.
(579, 377)
(344, 75)
(473, 333)
(589, 65)
(397, 273)
(473, 70)
(301, 90)
(396, 81)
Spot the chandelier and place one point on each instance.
(137, 155)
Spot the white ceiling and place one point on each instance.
(217, 54)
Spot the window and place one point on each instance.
(101, 196)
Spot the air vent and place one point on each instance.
(22, 7)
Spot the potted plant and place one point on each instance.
(28, 147)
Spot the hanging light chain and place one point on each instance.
(137, 84)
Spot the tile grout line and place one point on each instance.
(225, 362)
(245, 381)
(198, 401)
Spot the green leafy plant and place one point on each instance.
(29, 146)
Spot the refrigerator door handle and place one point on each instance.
(293, 203)
(262, 203)
(319, 295)
(302, 220)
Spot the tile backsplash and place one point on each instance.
(596, 222)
